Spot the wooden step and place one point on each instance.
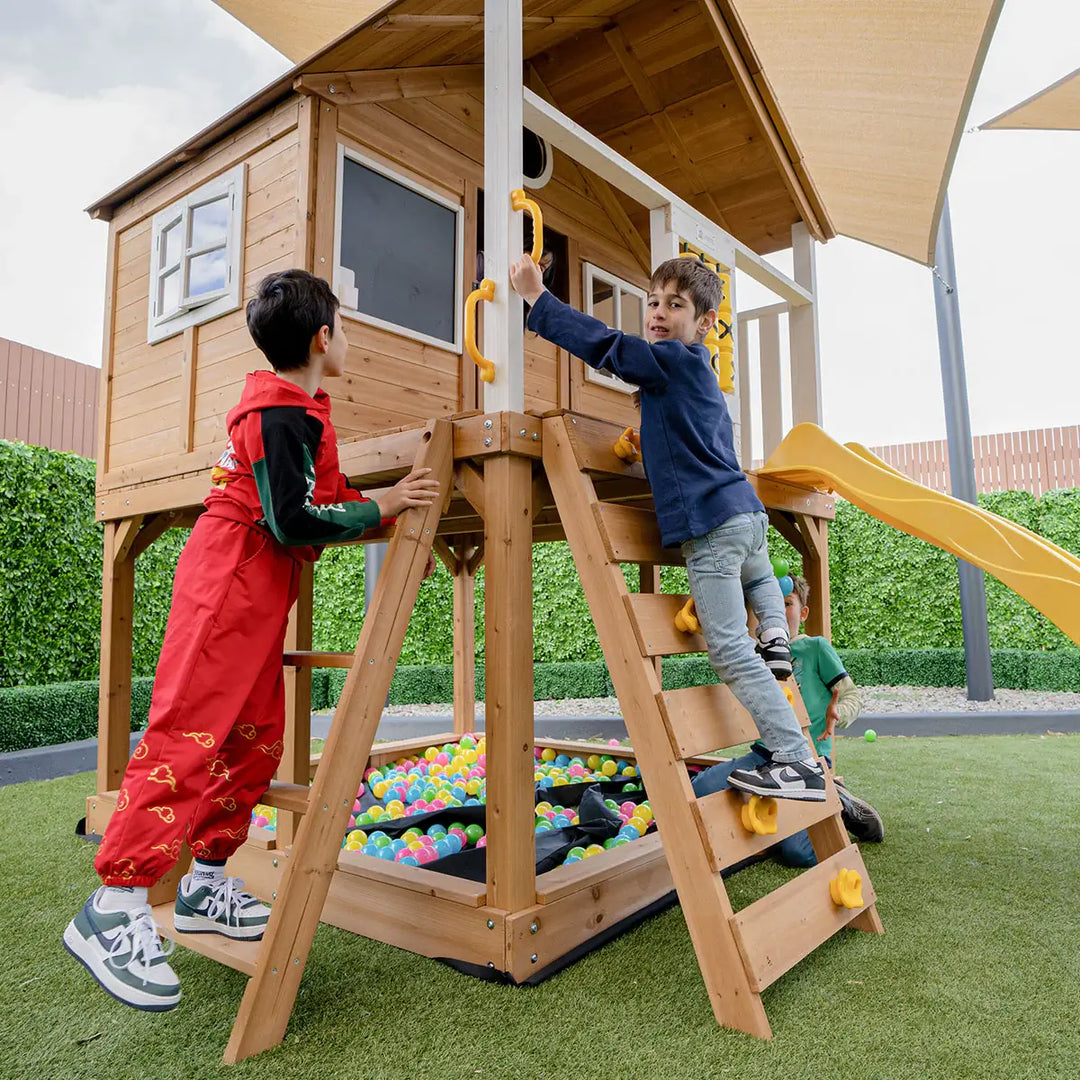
(703, 718)
(777, 931)
(240, 955)
(727, 841)
(631, 534)
(653, 616)
(318, 659)
(285, 796)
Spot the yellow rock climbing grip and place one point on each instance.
(628, 445)
(686, 618)
(759, 815)
(846, 889)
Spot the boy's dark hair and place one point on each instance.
(693, 277)
(286, 312)
(802, 589)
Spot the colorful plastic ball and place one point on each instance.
(474, 833)
(870, 735)
(563, 760)
(609, 768)
(482, 842)
(780, 567)
(426, 855)
(443, 848)
(786, 585)
(629, 832)
(453, 843)
(570, 859)
(547, 754)
(577, 852)
(409, 860)
(593, 849)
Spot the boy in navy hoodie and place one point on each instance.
(703, 500)
(217, 717)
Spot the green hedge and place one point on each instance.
(64, 712)
(889, 590)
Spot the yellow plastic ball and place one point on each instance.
(548, 754)
(609, 768)
(639, 824)
(593, 761)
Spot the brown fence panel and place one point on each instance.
(1036, 461)
(47, 400)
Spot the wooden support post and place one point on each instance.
(295, 765)
(508, 667)
(464, 643)
(815, 532)
(114, 687)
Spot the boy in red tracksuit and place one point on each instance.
(217, 716)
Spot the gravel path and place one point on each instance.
(876, 699)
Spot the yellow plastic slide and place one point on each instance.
(1041, 572)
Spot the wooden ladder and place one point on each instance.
(739, 953)
(276, 963)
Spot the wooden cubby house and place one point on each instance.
(385, 163)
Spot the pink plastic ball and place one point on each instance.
(482, 842)
(613, 742)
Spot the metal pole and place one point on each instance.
(980, 679)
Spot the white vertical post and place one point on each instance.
(503, 335)
(663, 243)
(803, 333)
(772, 407)
(745, 445)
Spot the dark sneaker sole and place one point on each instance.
(199, 924)
(864, 823)
(797, 794)
(157, 1005)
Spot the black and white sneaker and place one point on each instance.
(860, 818)
(802, 780)
(774, 648)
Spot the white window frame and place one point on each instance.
(342, 283)
(591, 273)
(194, 310)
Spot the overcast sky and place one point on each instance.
(95, 90)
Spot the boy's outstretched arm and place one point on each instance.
(631, 358)
(285, 478)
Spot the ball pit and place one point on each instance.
(439, 778)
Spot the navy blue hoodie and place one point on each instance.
(687, 444)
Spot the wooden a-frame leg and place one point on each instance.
(268, 1001)
(114, 687)
(701, 892)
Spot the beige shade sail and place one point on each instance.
(301, 30)
(873, 95)
(869, 97)
(1057, 108)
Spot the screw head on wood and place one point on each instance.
(533, 958)
(491, 924)
(487, 442)
(487, 424)
(533, 927)
(521, 432)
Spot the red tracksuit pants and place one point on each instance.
(217, 715)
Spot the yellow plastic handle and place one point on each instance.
(686, 618)
(519, 201)
(486, 291)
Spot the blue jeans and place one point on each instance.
(794, 850)
(725, 566)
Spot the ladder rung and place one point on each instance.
(703, 718)
(719, 818)
(653, 616)
(777, 931)
(632, 535)
(286, 796)
(318, 659)
(240, 955)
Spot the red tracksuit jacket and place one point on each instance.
(218, 710)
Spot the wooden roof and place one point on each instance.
(1057, 108)
(760, 114)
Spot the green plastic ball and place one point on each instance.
(871, 735)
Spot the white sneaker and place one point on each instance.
(123, 951)
(221, 908)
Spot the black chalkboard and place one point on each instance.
(402, 249)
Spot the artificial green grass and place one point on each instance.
(977, 976)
